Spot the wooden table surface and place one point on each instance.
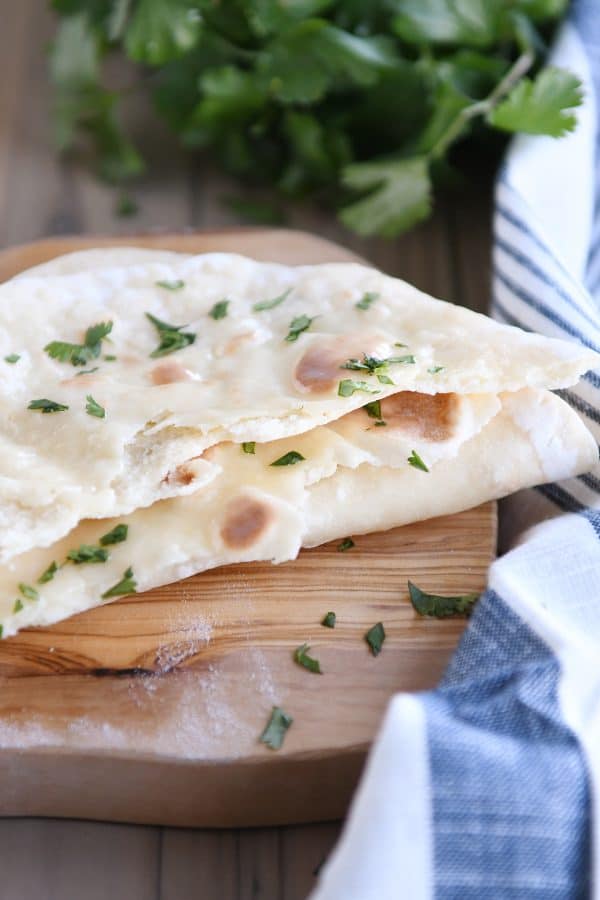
(41, 195)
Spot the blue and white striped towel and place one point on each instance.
(489, 786)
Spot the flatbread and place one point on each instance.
(240, 380)
(255, 511)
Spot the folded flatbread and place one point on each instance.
(354, 478)
(237, 351)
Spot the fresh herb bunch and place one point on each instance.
(362, 99)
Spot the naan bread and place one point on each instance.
(347, 484)
(240, 380)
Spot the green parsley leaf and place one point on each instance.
(328, 621)
(127, 585)
(346, 544)
(303, 659)
(440, 607)
(48, 574)
(398, 195)
(375, 366)
(80, 354)
(541, 106)
(87, 553)
(249, 446)
(373, 409)
(415, 460)
(277, 726)
(28, 592)
(474, 23)
(47, 406)
(172, 338)
(94, 409)
(116, 535)
(13, 358)
(375, 637)
(159, 32)
(367, 299)
(219, 310)
(271, 304)
(297, 326)
(288, 459)
(435, 369)
(169, 286)
(347, 387)
(18, 605)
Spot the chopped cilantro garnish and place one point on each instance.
(18, 605)
(171, 285)
(440, 607)
(328, 620)
(110, 358)
(367, 299)
(288, 459)
(415, 460)
(270, 304)
(87, 553)
(94, 409)
(13, 358)
(249, 446)
(88, 371)
(48, 574)
(276, 728)
(375, 637)
(346, 544)
(80, 354)
(303, 659)
(28, 592)
(297, 326)
(127, 585)
(47, 406)
(347, 387)
(219, 310)
(172, 338)
(116, 536)
(435, 369)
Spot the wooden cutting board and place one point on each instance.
(149, 709)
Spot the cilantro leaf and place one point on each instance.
(270, 304)
(249, 447)
(172, 338)
(12, 358)
(541, 106)
(175, 285)
(47, 406)
(289, 459)
(28, 592)
(116, 535)
(440, 607)
(373, 409)
(219, 310)
(416, 462)
(346, 544)
(303, 659)
(474, 23)
(375, 637)
(297, 326)
(94, 409)
(87, 553)
(80, 354)
(18, 605)
(367, 300)
(328, 620)
(276, 728)
(127, 585)
(48, 574)
(397, 196)
(347, 387)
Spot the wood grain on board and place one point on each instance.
(149, 709)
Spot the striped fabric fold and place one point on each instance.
(489, 786)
